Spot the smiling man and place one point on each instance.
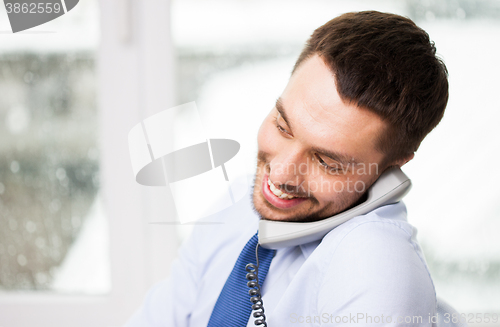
(363, 94)
(314, 138)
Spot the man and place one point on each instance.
(363, 94)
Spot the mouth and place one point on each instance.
(278, 198)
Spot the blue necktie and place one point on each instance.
(233, 307)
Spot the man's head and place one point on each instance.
(363, 94)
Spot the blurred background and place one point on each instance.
(76, 232)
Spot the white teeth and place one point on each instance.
(276, 191)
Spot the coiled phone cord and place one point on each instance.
(255, 292)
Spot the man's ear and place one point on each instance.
(401, 162)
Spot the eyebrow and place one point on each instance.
(341, 158)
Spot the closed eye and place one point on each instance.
(324, 164)
(281, 129)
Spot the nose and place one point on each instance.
(288, 169)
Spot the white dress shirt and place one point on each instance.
(369, 270)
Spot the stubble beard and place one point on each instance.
(304, 213)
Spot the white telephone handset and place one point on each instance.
(389, 188)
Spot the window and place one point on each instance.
(71, 90)
(50, 199)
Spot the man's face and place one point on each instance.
(315, 147)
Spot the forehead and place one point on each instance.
(320, 118)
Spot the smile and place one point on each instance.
(278, 198)
(278, 192)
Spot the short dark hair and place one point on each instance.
(385, 63)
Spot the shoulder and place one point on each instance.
(378, 230)
(376, 256)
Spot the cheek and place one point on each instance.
(322, 188)
(329, 188)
